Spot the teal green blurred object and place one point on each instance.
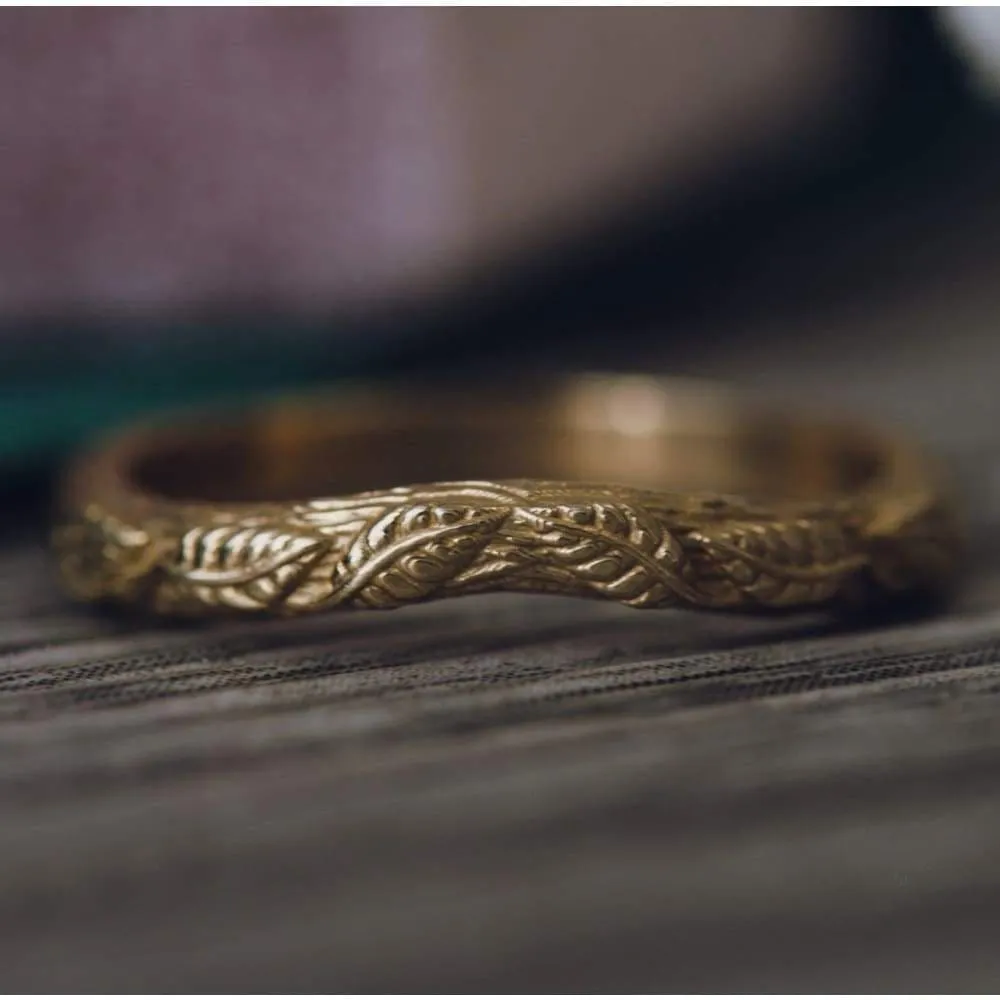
(57, 392)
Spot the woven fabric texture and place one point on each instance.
(497, 794)
(506, 794)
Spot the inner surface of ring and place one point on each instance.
(628, 432)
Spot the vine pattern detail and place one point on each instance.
(413, 544)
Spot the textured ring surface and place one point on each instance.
(699, 502)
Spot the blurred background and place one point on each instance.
(214, 203)
(207, 203)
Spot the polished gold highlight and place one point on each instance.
(653, 493)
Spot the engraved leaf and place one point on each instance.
(342, 519)
(250, 564)
(611, 550)
(776, 564)
(409, 553)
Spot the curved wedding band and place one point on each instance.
(650, 492)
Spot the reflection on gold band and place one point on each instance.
(653, 493)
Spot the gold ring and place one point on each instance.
(557, 488)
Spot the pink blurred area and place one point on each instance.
(173, 161)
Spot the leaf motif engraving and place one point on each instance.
(392, 547)
(610, 550)
(409, 553)
(250, 564)
(772, 564)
